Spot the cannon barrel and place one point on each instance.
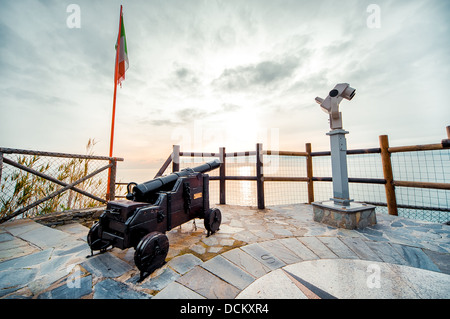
(142, 191)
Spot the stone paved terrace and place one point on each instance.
(279, 252)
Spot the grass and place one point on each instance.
(19, 188)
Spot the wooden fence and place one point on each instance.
(21, 206)
(384, 150)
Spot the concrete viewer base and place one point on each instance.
(354, 216)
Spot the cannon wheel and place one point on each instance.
(93, 239)
(151, 253)
(213, 218)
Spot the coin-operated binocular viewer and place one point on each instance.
(338, 142)
(341, 211)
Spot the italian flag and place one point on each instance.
(121, 52)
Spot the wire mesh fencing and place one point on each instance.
(40, 181)
(426, 166)
(284, 192)
(285, 180)
(359, 166)
(429, 167)
(244, 192)
(240, 192)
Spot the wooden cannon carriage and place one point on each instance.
(151, 209)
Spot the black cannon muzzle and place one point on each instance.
(141, 192)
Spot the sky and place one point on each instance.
(206, 74)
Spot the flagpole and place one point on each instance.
(111, 140)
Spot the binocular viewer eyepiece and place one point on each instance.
(330, 104)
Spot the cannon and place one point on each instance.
(151, 209)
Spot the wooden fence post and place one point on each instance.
(446, 142)
(259, 176)
(309, 174)
(388, 176)
(222, 192)
(176, 158)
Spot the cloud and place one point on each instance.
(314, 82)
(228, 107)
(27, 96)
(188, 115)
(159, 122)
(262, 74)
(185, 76)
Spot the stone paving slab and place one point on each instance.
(106, 265)
(280, 251)
(18, 227)
(280, 288)
(15, 247)
(338, 247)
(160, 281)
(75, 230)
(298, 248)
(79, 248)
(441, 260)
(246, 262)
(435, 237)
(28, 260)
(263, 256)
(182, 264)
(386, 252)
(208, 285)
(415, 257)
(317, 247)
(361, 249)
(70, 292)
(14, 279)
(229, 272)
(53, 270)
(4, 236)
(177, 291)
(111, 289)
(39, 235)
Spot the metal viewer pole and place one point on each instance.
(338, 142)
